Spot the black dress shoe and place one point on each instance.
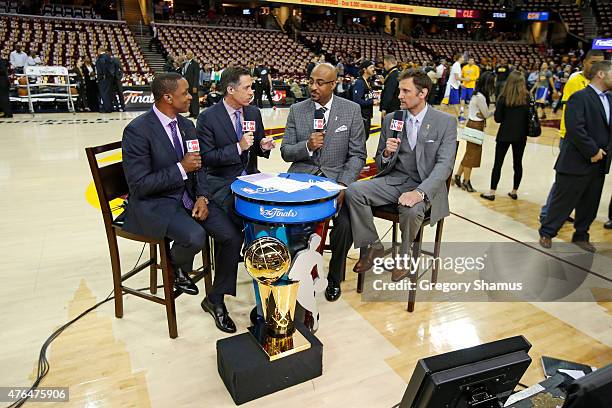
(585, 245)
(487, 197)
(333, 291)
(457, 179)
(608, 224)
(222, 319)
(183, 282)
(467, 186)
(513, 196)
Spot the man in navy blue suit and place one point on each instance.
(169, 194)
(230, 146)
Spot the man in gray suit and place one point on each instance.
(413, 165)
(338, 152)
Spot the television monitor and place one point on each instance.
(594, 390)
(246, 12)
(477, 377)
(459, 25)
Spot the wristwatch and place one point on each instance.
(423, 195)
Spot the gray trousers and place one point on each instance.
(365, 194)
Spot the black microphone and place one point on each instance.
(319, 120)
(397, 123)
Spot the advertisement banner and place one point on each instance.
(602, 44)
(375, 6)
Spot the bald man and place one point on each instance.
(338, 152)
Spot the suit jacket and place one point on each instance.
(389, 98)
(117, 71)
(192, 74)
(587, 132)
(104, 68)
(155, 181)
(435, 155)
(513, 122)
(220, 156)
(343, 154)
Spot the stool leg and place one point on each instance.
(168, 277)
(206, 262)
(116, 268)
(438, 242)
(414, 275)
(360, 279)
(153, 271)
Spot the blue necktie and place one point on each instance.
(178, 149)
(238, 126)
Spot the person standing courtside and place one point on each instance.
(5, 101)
(105, 74)
(584, 159)
(389, 101)
(229, 151)
(338, 153)
(117, 84)
(414, 164)
(169, 194)
(18, 59)
(191, 72)
(362, 94)
(263, 83)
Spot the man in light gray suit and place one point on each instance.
(338, 152)
(413, 163)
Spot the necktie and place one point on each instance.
(604, 101)
(412, 133)
(178, 149)
(238, 126)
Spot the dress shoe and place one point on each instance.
(467, 186)
(399, 274)
(545, 242)
(183, 282)
(489, 197)
(570, 219)
(585, 245)
(608, 224)
(333, 291)
(367, 260)
(457, 181)
(222, 319)
(513, 196)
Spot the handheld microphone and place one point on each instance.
(319, 120)
(397, 123)
(193, 146)
(248, 126)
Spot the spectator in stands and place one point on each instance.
(105, 73)
(454, 84)
(542, 88)
(313, 62)
(91, 85)
(191, 72)
(502, 71)
(584, 159)
(5, 102)
(169, 65)
(575, 83)
(362, 94)
(33, 59)
(478, 112)
(296, 90)
(511, 112)
(389, 98)
(340, 67)
(154, 41)
(470, 74)
(117, 85)
(205, 77)
(18, 59)
(213, 96)
(263, 83)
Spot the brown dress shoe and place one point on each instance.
(367, 260)
(398, 274)
(585, 245)
(545, 242)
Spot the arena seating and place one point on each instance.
(603, 12)
(370, 47)
(59, 10)
(223, 21)
(332, 28)
(9, 6)
(220, 46)
(63, 41)
(573, 18)
(513, 52)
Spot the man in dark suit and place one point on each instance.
(337, 153)
(118, 85)
(584, 159)
(105, 73)
(5, 102)
(169, 194)
(228, 150)
(389, 101)
(191, 72)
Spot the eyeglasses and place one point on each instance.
(319, 82)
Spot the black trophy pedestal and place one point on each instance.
(249, 374)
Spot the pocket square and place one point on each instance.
(341, 129)
(429, 141)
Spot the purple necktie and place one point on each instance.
(178, 149)
(239, 134)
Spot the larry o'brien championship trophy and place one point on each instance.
(267, 259)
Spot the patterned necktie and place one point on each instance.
(238, 125)
(178, 149)
(412, 132)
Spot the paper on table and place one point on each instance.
(329, 186)
(250, 178)
(521, 395)
(575, 374)
(282, 184)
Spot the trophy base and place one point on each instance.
(248, 373)
(276, 348)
